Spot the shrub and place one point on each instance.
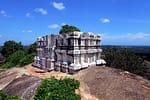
(4, 96)
(53, 89)
(16, 57)
(27, 59)
(8, 65)
(68, 28)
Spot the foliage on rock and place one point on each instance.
(53, 89)
(14, 59)
(27, 59)
(4, 96)
(68, 28)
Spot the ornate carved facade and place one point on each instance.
(68, 52)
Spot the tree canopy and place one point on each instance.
(16, 55)
(10, 47)
(68, 28)
(32, 48)
(126, 60)
(14, 59)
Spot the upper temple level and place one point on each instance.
(70, 40)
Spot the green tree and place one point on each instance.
(32, 48)
(126, 60)
(27, 59)
(14, 59)
(10, 47)
(53, 89)
(68, 28)
(122, 58)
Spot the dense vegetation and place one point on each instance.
(53, 89)
(16, 55)
(10, 47)
(4, 96)
(126, 60)
(142, 51)
(68, 28)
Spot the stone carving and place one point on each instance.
(68, 52)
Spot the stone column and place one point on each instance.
(43, 63)
(49, 64)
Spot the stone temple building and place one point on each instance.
(68, 52)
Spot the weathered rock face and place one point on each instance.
(103, 83)
(23, 87)
(112, 84)
(6, 77)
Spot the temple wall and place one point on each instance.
(68, 52)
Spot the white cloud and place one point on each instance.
(3, 13)
(41, 10)
(27, 31)
(105, 20)
(62, 24)
(128, 36)
(139, 38)
(28, 15)
(59, 6)
(53, 26)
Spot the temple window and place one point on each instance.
(62, 42)
(79, 41)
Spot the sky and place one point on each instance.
(120, 22)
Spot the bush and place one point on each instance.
(16, 57)
(8, 65)
(13, 98)
(4, 96)
(27, 59)
(68, 28)
(53, 89)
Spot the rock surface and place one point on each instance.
(113, 84)
(97, 83)
(23, 87)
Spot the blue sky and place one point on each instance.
(120, 22)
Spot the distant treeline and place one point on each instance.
(126, 59)
(142, 51)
